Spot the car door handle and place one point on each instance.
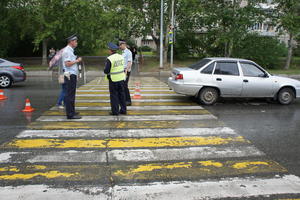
(219, 79)
(246, 81)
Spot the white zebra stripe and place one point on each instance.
(146, 95)
(225, 188)
(38, 192)
(131, 155)
(129, 118)
(133, 100)
(118, 133)
(140, 108)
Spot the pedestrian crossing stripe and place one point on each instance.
(80, 104)
(225, 188)
(142, 92)
(124, 125)
(42, 173)
(191, 170)
(133, 100)
(132, 155)
(138, 108)
(124, 118)
(126, 133)
(105, 89)
(132, 112)
(143, 95)
(94, 97)
(194, 169)
(125, 142)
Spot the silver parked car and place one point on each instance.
(10, 73)
(211, 78)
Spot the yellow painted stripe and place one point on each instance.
(40, 173)
(143, 97)
(193, 169)
(142, 92)
(134, 112)
(124, 125)
(83, 104)
(125, 142)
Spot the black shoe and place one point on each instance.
(74, 117)
(128, 103)
(110, 113)
(77, 113)
(123, 113)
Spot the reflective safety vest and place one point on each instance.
(117, 67)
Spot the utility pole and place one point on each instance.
(171, 35)
(161, 57)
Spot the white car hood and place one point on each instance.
(283, 80)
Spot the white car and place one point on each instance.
(211, 78)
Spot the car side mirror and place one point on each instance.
(264, 75)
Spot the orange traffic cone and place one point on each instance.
(28, 107)
(137, 91)
(2, 97)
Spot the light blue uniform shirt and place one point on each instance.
(68, 55)
(127, 58)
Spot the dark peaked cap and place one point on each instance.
(72, 37)
(112, 46)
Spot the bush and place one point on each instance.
(145, 48)
(264, 50)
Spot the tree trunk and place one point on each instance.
(156, 41)
(230, 47)
(44, 60)
(290, 52)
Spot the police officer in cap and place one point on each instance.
(114, 68)
(70, 68)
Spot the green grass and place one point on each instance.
(148, 53)
(292, 71)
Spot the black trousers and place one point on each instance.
(127, 93)
(117, 97)
(70, 95)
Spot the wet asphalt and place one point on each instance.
(272, 128)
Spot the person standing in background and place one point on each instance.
(127, 55)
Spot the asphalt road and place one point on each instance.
(271, 128)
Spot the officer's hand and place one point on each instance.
(79, 59)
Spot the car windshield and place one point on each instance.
(199, 64)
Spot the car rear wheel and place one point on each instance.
(5, 81)
(208, 96)
(286, 96)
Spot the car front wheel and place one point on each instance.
(286, 96)
(208, 96)
(5, 81)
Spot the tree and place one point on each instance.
(289, 19)
(50, 20)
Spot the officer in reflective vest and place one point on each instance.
(114, 69)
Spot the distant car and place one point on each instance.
(211, 78)
(10, 73)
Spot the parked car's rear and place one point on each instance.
(10, 73)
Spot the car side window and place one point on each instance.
(251, 70)
(209, 69)
(227, 68)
